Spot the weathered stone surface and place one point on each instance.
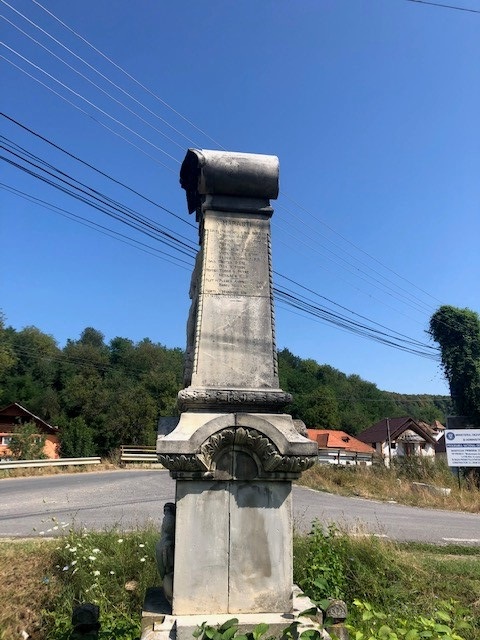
(234, 340)
(245, 175)
(201, 547)
(232, 453)
(238, 556)
(158, 625)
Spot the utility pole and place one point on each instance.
(389, 444)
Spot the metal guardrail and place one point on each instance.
(341, 457)
(49, 462)
(133, 453)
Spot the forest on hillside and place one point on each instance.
(102, 395)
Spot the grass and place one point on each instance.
(24, 592)
(42, 580)
(396, 484)
(406, 581)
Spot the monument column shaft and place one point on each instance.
(234, 342)
(234, 452)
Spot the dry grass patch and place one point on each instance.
(54, 471)
(394, 485)
(24, 588)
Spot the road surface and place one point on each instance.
(126, 499)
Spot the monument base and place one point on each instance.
(158, 623)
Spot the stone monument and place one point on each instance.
(233, 453)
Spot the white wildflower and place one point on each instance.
(96, 573)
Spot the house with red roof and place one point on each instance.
(13, 416)
(338, 447)
(395, 437)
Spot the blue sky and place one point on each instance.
(371, 106)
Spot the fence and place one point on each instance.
(49, 462)
(134, 453)
(342, 457)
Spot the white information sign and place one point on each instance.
(463, 447)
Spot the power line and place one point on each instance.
(339, 321)
(100, 228)
(168, 233)
(359, 248)
(92, 104)
(109, 212)
(95, 69)
(101, 202)
(366, 277)
(95, 84)
(445, 6)
(203, 132)
(128, 75)
(97, 170)
(89, 115)
(341, 306)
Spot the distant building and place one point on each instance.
(12, 417)
(397, 437)
(338, 447)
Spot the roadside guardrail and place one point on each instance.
(135, 453)
(49, 462)
(342, 457)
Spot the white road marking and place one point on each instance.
(461, 539)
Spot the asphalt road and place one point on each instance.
(127, 499)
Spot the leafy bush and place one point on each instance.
(108, 569)
(26, 443)
(321, 573)
(444, 624)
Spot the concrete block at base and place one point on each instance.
(158, 624)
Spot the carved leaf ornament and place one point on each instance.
(252, 441)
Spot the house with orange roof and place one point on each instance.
(338, 447)
(12, 417)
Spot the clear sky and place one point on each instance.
(372, 107)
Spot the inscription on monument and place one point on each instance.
(234, 257)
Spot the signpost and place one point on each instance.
(463, 447)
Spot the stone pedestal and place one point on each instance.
(233, 453)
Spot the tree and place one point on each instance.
(26, 443)
(76, 439)
(457, 331)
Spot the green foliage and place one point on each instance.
(119, 389)
(229, 630)
(457, 331)
(26, 443)
(326, 398)
(101, 395)
(323, 567)
(76, 439)
(446, 623)
(109, 569)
